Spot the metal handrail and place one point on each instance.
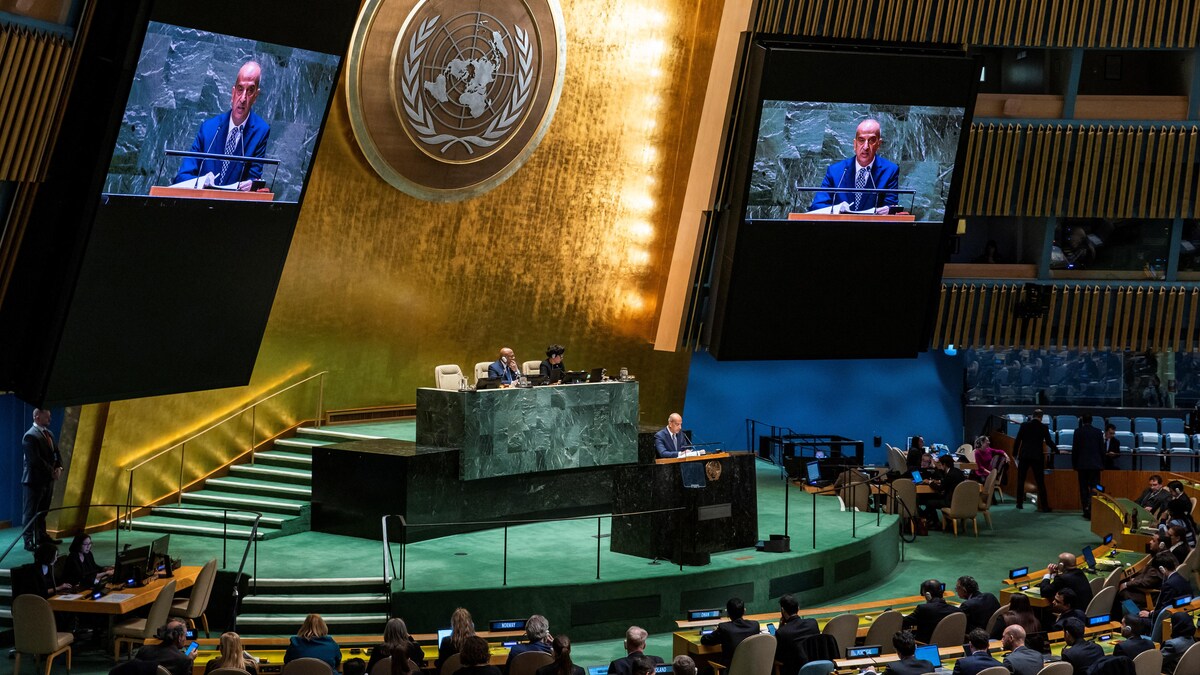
(389, 563)
(253, 441)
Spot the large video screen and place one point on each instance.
(220, 113)
(853, 158)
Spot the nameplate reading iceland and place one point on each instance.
(448, 98)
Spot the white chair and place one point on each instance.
(904, 500)
(991, 622)
(994, 670)
(448, 376)
(137, 631)
(754, 656)
(950, 630)
(34, 633)
(531, 367)
(527, 663)
(306, 665)
(382, 667)
(1057, 668)
(1148, 662)
(896, 460)
(451, 665)
(194, 606)
(1190, 661)
(985, 498)
(844, 629)
(883, 628)
(1102, 602)
(481, 370)
(964, 505)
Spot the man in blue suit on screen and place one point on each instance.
(866, 169)
(237, 132)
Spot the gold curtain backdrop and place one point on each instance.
(380, 287)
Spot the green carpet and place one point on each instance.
(400, 430)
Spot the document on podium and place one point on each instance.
(843, 207)
(207, 181)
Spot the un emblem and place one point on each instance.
(448, 98)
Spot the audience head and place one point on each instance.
(979, 639)
(1175, 487)
(1067, 561)
(1110, 429)
(641, 665)
(1155, 482)
(788, 605)
(683, 665)
(635, 639)
(555, 351)
(1177, 533)
(173, 632)
(461, 626)
(313, 627)
(1013, 637)
(474, 651)
(1073, 630)
(537, 628)
(1165, 562)
(966, 587)
(562, 647)
(1066, 599)
(354, 666)
(982, 442)
(905, 644)
(1182, 625)
(395, 632)
(45, 553)
(1135, 626)
(931, 588)
(735, 608)
(947, 461)
(918, 442)
(79, 542)
(231, 644)
(1019, 602)
(1085, 421)
(1037, 415)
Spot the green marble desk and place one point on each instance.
(504, 432)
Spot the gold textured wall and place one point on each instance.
(379, 287)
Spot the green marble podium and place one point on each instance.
(504, 432)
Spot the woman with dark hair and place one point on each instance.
(461, 627)
(397, 642)
(562, 659)
(1183, 632)
(80, 566)
(474, 656)
(916, 454)
(1019, 612)
(553, 367)
(43, 566)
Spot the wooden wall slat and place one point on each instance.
(33, 69)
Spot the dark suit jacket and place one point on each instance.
(167, 656)
(910, 666)
(1173, 588)
(1030, 438)
(664, 446)
(1024, 661)
(1133, 646)
(977, 661)
(1087, 449)
(624, 665)
(211, 138)
(500, 370)
(979, 608)
(523, 647)
(841, 175)
(553, 371)
(789, 643)
(1074, 580)
(1082, 655)
(729, 634)
(1073, 614)
(41, 458)
(1154, 501)
(925, 618)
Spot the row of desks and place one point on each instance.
(123, 600)
(1107, 559)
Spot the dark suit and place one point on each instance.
(910, 666)
(789, 643)
(211, 138)
(498, 369)
(1030, 453)
(667, 444)
(1133, 646)
(1072, 579)
(974, 663)
(1024, 661)
(729, 634)
(1173, 588)
(979, 608)
(554, 371)
(1082, 655)
(523, 647)
(1154, 501)
(168, 656)
(841, 176)
(926, 616)
(1087, 456)
(41, 458)
(624, 665)
(1072, 614)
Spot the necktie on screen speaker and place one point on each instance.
(231, 146)
(860, 181)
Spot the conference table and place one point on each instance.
(123, 601)
(1107, 560)
(1123, 519)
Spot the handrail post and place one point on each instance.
(224, 535)
(182, 456)
(253, 431)
(505, 579)
(128, 505)
(320, 398)
(598, 547)
(403, 552)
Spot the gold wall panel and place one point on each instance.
(380, 287)
(1034, 23)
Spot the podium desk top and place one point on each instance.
(853, 217)
(229, 195)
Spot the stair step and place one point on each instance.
(330, 587)
(285, 459)
(257, 487)
(173, 525)
(208, 514)
(334, 436)
(287, 623)
(326, 605)
(215, 498)
(272, 474)
(350, 599)
(302, 444)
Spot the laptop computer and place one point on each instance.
(814, 474)
(597, 375)
(916, 478)
(930, 654)
(597, 670)
(487, 383)
(1090, 559)
(575, 377)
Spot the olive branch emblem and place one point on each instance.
(422, 120)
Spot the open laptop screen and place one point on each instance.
(930, 654)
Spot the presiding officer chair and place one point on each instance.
(481, 370)
(448, 377)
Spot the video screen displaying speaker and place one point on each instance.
(844, 173)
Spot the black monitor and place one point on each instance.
(499, 625)
(130, 565)
(703, 614)
(158, 560)
(814, 471)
